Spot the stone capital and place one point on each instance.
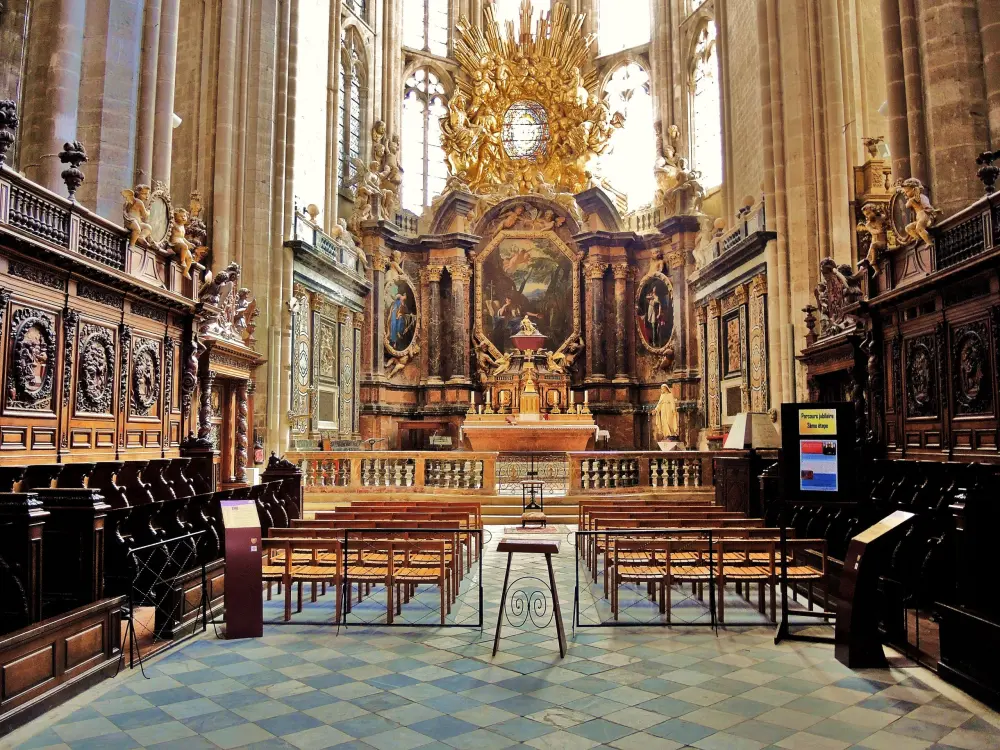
(460, 272)
(380, 262)
(676, 258)
(359, 320)
(431, 274)
(621, 271)
(713, 308)
(740, 294)
(758, 285)
(700, 314)
(595, 269)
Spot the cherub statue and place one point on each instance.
(396, 262)
(562, 360)
(394, 172)
(924, 213)
(502, 364)
(182, 248)
(876, 226)
(245, 314)
(398, 363)
(527, 327)
(136, 214)
(212, 289)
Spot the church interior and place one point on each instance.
(322, 322)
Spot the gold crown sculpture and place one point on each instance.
(524, 114)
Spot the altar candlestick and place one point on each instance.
(571, 397)
(586, 397)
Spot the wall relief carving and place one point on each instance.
(33, 360)
(145, 377)
(921, 377)
(839, 288)
(971, 371)
(95, 377)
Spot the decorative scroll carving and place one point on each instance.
(33, 360)
(145, 376)
(897, 373)
(189, 377)
(95, 376)
(971, 369)
(838, 289)
(37, 275)
(71, 319)
(125, 337)
(921, 376)
(101, 295)
(168, 373)
(242, 427)
(149, 311)
(205, 407)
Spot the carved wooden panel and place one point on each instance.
(972, 369)
(32, 360)
(921, 368)
(95, 370)
(144, 396)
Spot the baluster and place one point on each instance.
(696, 473)
(409, 470)
(397, 474)
(687, 472)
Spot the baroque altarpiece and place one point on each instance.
(526, 239)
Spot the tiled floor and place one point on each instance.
(303, 686)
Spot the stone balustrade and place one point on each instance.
(388, 471)
(644, 469)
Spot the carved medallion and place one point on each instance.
(145, 377)
(95, 379)
(921, 377)
(970, 366)
(33, 360)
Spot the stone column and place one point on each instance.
(205, 403)
(594, 271)
(225, 132)
(760, 388)
(146, 111)
(330, 209)
(434, 334)
(461, 274)
(52, 96)
(163, 128)
(895, 89)
(359, 324)
(242, 433)
(392, 64)
(675, 268)
(989, 31)
(621, 273)
(913, 83)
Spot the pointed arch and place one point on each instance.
(425, 102)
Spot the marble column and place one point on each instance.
(146, 111)
(621, 274)
(714, 408)
(461, 275)
(166, 69)
(376, 321)
(434, 334)
(760, 389)
(205, 403)
(594, 271)
(52, 96)
(359, 325)
(675, 267)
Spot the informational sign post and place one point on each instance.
(244, 603)
(817, 445)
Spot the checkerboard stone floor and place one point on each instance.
(304, 686)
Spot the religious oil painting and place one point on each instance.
(527, 277)
(655, 312)
(400, 308)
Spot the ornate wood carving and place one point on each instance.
(37, 275)
(242, 428)
(145, 376)
(922, 376)
(838, 288)
(125, 338)
(972, 373)
(205, 406)
(759, 386)
(95, 370)
(100, 294)
(149, 311)
(168, 373)
(897, 374)
(71, 320)
(32, 360)
(189, 378)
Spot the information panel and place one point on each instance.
(244, 605)
(817, 443)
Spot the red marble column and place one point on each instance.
(621, 273)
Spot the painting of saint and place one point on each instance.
(401, 314)
(655, 312)
(734, 351)
(527, 278)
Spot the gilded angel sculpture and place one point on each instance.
(178, 242)
(136, 214)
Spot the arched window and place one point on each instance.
(627, 91)
(424, 168)
(351, 116)
(510, 10)
(622, 24)
(426, 25)
(706, 109)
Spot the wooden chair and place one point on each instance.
(688, 561)
(423, 561)
(314, 571)
(745, 561)
(639, 561)
(799, 568)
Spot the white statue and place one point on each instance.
(665, 420)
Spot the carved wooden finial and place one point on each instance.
(8, 124)
(73, 154)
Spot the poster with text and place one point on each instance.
(818, 466)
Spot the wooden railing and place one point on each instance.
(389, 471)
(475, 473)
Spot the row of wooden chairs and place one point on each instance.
(665, 561)
(639, 504)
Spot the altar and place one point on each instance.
(529, 405)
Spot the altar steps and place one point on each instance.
(506, 509)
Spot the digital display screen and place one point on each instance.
(818, 466)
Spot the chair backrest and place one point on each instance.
(742, 550)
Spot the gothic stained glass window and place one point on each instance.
(350, 115)
(426, 25)
(424, 167)
(706, 108)
(627, 91)
(622, 24)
